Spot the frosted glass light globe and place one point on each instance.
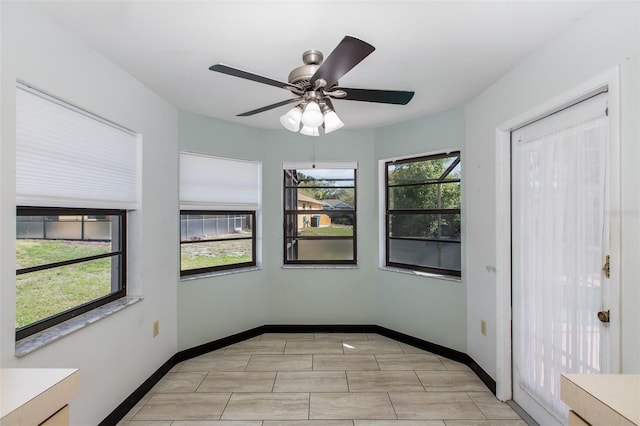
(291, 120)
(312, 116)
(332, 122)
(310, 131)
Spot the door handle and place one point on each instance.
(607, 266)
(603, 316)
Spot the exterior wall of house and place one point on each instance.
(325, 220)
(117, 353)
(304, 221)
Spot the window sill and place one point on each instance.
(36, 341)
(219, 273)
(422, 274)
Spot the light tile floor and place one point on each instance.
(320, 379)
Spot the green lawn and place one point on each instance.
(214, 253)
(45, 293)
(330, 231)
(39, 252)
(188, 261)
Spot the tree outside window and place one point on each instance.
(422, 216)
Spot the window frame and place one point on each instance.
(45, 323)
(295, 212)
(388, 212)
(219, 268)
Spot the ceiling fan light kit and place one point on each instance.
(310, 131)
(332, 122)
(291, 120)
(315, 83)
(312, 116)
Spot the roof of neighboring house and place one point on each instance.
(336, 204)
(302, 197)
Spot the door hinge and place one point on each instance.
(607, 267)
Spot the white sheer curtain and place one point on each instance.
(559, 192)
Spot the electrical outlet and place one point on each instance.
(156, 328)
(483, 327)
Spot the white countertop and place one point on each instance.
(603, 399)
(28, 396)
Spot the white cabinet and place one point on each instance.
(61, 418)
(602, 399)
(575, 420)
(37, 396)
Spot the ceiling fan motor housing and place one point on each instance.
(301, 75)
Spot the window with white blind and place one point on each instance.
(219, 204)
(76, 178)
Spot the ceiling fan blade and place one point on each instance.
(397, 97)
(268, 107)
(349, 53)
(225, 69)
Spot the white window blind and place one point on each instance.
(217, 183)
(67, 157)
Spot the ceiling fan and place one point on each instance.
(315, 83)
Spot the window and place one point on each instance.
(215, 240)
(320, 214)
(76, 178)
(219, 213)
(68, 261)
(422, 214)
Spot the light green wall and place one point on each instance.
(210, 308)
(320, 296)
(216, 307)
(428, 308)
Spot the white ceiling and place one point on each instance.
(448, 52)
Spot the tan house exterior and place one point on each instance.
(305, 220)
